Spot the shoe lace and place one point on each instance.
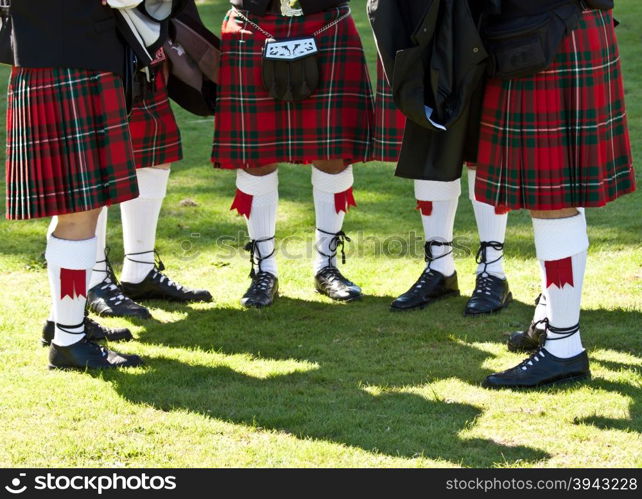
(428, 272)
(158, 267)
(256, 258)
(72, 328)
(110, 283)
(422, 281)
(484, 284)
(337, 243)
(562, 334)
(261, 281)
(98, 348)
(428, 255)
(482, 256)
(331, 273)
(531, 360)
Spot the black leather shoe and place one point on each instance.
(109, 300)
(262, 291)
(491, 294)
(430, 286)
(531, 339)
(540, 369)
(157, 285)
(93, 332)
(330, 282)
(87, 355)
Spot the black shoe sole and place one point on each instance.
(46, 343)
(51, 367)
(508, 301)
(423, 305)
(105, 313)
(168, 299)
(346, 300)
(571, 379)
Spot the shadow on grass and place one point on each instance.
(356, 364)
(633, 422)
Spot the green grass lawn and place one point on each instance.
(315, 383)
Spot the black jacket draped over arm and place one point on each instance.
(435, 61)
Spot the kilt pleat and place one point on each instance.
(251, 129)
(155, 134)
(559, 139)
(389, 122)
(68, 143)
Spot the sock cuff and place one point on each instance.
(255, 185)
(432, 190)
(152, 182)
(559, 238)
(332, 182)
(73, 255)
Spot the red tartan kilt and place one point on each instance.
(155, 134)
(252, 129)
(68, 143)
(559, 139)
(390, 123)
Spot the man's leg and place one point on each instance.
(561, 242)
(257, 199)
(70, 254)
(104, 295)
(142, 276)
(491, 292)
(437, 202)
(332, 191)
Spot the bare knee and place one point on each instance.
(331, 166)
(262, 171)
(553, 214)
(77, 226)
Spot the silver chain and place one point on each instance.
(270, 36)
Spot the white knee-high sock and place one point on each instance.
(69, 265)
(261, 195)
(491, 226)
(562, 246)
(140, 219)
(99, 271)
(437, 202)
(332, 198)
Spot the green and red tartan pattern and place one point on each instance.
(68, 143)
(251, 129)
(559, 139)
(155, 135)
(390, 123)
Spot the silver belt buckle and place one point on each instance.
(287, 9)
